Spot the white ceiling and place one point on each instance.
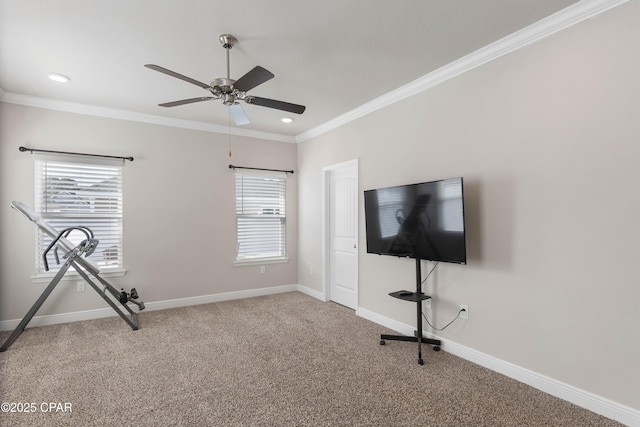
(331, 55)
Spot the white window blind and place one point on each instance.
(389, 203)
(450, 204)
(86, 194)
(260, 216)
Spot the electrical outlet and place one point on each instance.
(263, 269)
(79, 286)
(427, 304)
(465, 314)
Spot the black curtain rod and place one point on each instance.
(23, 149)
(259, 169)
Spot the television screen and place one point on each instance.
(424, 221)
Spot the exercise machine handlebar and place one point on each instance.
(87, 246)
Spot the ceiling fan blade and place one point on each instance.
(238, 114)
(253, 78)
(186, 101)
(278, 105)
(177, 75)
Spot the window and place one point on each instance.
(450, 203)
(260, 217)
(390, 202)
(88, 193)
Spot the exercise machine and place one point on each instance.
(75, 256)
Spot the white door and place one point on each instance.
(343, 234)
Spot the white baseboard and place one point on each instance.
(312, 293)
(582, 398)
(54, 319)
(226, 296)
(76, 316)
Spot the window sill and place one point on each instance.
(260, 261)
(72, 275)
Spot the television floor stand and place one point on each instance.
(416, 297)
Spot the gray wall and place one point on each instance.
(179, 225)
(546, 139)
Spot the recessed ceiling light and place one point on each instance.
(286, 120)
(59, 78)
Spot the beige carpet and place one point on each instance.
(285, 360)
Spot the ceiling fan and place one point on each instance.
(231, 91)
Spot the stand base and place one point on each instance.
(435, 343)
(416, 297)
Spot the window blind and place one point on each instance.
(450, 204)
(260, 216)
(390, 202)
(87, 194)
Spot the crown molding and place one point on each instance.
(114, 113)
(540, 30)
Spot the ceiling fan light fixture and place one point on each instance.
(228, 99)
(59, 78)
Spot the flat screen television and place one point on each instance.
(422, 221)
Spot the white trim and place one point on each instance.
(226, 296)
(566, 18)
(113, 113)
(319, 295)
(325, 246)
(54, 319)
(76, 316)
(579, 397)
(326, 237)
(260, 261)
(600, 405)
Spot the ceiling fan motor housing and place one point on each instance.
(223, 88)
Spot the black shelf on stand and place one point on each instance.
(416, 297)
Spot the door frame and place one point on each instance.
(326, 227)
